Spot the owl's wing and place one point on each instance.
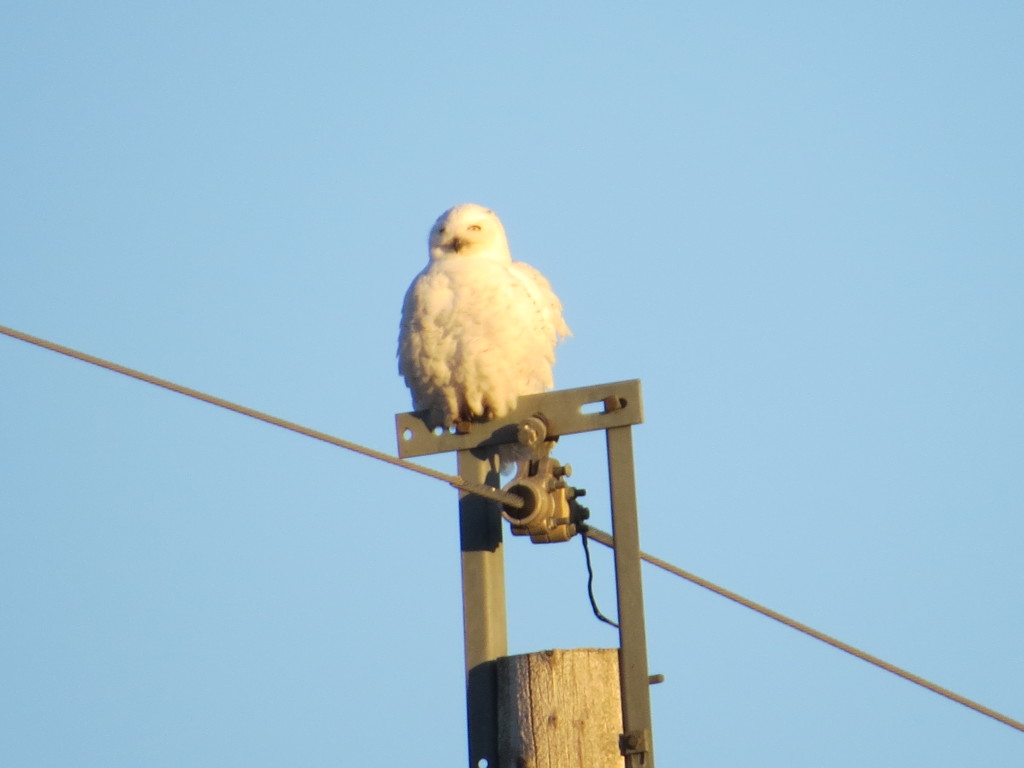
(551, 324)
(425, 345)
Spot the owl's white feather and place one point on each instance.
(478, 329)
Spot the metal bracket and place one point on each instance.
(634, 742)
(566, 412)
(613, 408)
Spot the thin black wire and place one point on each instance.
(491, 493)
(590, 576)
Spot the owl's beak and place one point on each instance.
(457, 244)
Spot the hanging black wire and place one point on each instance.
(590, 576)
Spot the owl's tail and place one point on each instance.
(509, 454)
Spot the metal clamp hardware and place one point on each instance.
(550, 512)
(634, 742)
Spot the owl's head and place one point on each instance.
(468, 230)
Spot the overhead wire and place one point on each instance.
(486, 491)
(509, 499)
(608, 540)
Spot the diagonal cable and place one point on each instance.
(514, 501)
(608, 540)
(454, 480)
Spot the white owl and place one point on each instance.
(478, 329)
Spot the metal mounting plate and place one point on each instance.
(612, 405)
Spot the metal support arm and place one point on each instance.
(610, 407)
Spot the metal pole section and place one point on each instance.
(634, 678)
(483, 606)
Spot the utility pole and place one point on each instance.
(498, 703)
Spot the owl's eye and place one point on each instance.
(473, 227)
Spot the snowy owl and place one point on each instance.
(478, 329)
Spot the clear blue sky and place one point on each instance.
(799, 224)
